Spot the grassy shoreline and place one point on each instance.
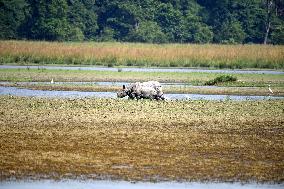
(141, 140)
(145, 55)
(247, 84)
(41, 66)
(196, 78)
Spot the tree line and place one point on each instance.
(150, 21)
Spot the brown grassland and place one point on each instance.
(131, 54)
(142, 140)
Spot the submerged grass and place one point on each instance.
(148, 55)
(142, 140)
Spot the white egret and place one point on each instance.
(52, 81)
(270, 90)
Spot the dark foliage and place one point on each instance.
(149, 21)
(221, 79)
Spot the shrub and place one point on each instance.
(110, 64)
(174, 64)
(129, 63)
(221, 79)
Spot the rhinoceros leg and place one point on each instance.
(131, 97)
(162, 97)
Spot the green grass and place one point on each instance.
(195, 78)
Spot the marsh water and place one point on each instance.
(80, 94)
(133, 69)
(104, 184)
(107, 83)
(100, 83)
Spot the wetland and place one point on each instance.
(227, 135)
(141, 140)
(172, 82)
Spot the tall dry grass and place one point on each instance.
(130, 54)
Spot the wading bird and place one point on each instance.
(52, 81)
(270, 90)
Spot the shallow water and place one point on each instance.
(55, 94)
(108, 83)
(88, 184)
(80, 94)
(217, 97)
(128, 69)
(100, 83)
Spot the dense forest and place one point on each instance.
(151, 21)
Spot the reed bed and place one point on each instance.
(131, 54)
(141, 140)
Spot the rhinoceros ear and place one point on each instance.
(123, 86)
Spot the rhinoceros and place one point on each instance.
(149, 90)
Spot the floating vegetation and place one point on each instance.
(142, 140)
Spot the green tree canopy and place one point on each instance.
(12, 15)
(151, 21)
(148, 32)
(49, 20)
(231, 32)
